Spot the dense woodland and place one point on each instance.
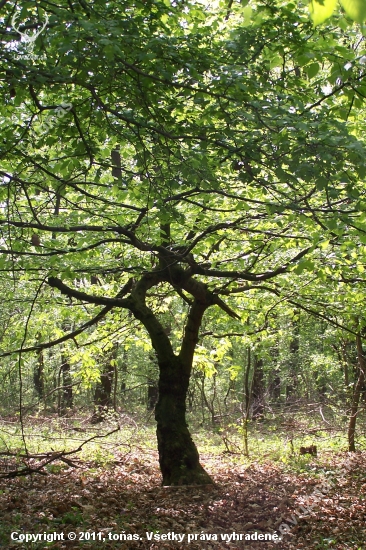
(183, 251)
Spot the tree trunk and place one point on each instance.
(152, 394)
(103, 392)
(124, 372)
(293, 360)
(345, 366)
(152, 383)
(66, 397)
(210, 406)
(38, 375)
(246, 402)
(356, 395)
(115, 376)
(258, 389)
(274, 387)
(230, 390)
(178, 455)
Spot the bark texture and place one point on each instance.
(178, 455)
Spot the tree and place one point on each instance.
(358, 390)
(175, 155)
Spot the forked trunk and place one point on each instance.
(178, 455)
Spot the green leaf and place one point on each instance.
(305, 265)
(277, 61)
(355, 9)
(247, 15)
(312, 70)
(321, 10)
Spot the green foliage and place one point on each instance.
(355, 9)
(321, 10)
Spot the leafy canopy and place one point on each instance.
(227, 146)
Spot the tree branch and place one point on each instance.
(54, 282)
(249, 276)
(191, 331)
(68, 336)
(126, 288)
(183, 280)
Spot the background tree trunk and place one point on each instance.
(103, 392)
(258, 389)
(66, 396)
(123, 372)
(38, 375)
(246, 401)
(293, 360)
(356, 395)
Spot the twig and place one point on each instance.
(321, 414)
(50, 456)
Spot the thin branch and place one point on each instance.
(250, 276)
(333, 92)
(51, 457)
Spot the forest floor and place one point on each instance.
(119, 494)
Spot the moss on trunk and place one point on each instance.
(178, 455)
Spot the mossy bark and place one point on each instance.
(178, 455)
